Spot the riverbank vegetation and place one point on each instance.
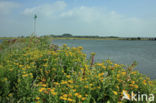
(32, 70)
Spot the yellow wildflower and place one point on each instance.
(70, 86)
(134, 72)
(45, 65)
(117, 87)
(104, 67)
(118, 75)
(99, 64)
(100, 74)
(123, 73)
(70, 100)
(51, 90)
(43, 80)
(64, 82)
(74, 90)
(79, 96)
(53, 93)
(37, 98)
(56, 83)
(144, 82)
(98, 87)
(25, 75)
(70, 81)
(80, 47)
(61, 97)
(64, 45)
(76, 94)
(83, 98)
(46, 92)
(65, 95)
(115, 92)
(133, 82)
(44, 85)
(86, 86)
(42, 89)
(68, 76)
(136, 86)
(64, 98)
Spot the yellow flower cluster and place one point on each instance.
(64, 74)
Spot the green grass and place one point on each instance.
(7, 38)
(154, 85)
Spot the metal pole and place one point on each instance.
(35, 17)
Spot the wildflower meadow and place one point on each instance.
(33, 70)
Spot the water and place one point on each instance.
(120, 51)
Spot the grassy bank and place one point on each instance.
(76, 38)
(154, 86)
(32, 70)
(7, 38)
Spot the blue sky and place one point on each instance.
(126, 18)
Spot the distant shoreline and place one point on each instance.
(90, 38)
(76, 38)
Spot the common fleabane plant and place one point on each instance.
(33, 70)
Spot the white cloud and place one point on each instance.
(57, 18)
(96, 21)
(89, 20)
(46, 9)
(83, 13)
(6, 6)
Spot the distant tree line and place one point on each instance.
(68, 35)
(139, 38)
(84, 36)
(102, 37)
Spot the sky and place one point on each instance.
(124, 18)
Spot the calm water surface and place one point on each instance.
(120, 51)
